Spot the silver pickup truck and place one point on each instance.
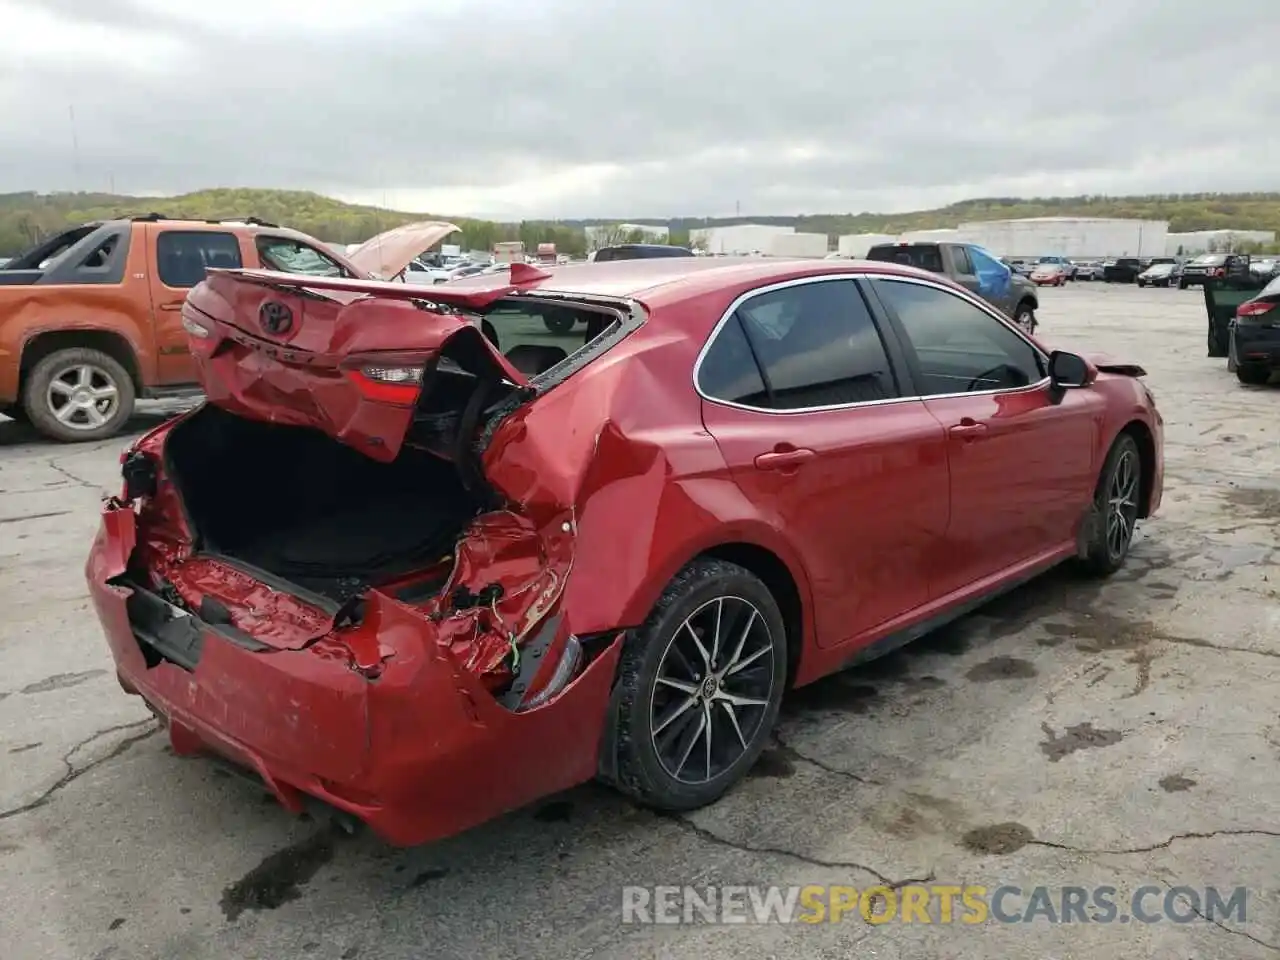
(973, 268)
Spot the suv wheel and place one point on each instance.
(1253, 374)
(1025, 317)
(560, 322)
(699, 687)
(78, 394)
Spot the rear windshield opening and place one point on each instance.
(921, 256)
(537, 335)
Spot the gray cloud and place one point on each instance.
(665, 108)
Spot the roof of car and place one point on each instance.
(667, 280)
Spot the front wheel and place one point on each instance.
(699, 688)
(78, 394)
(1115, 508)
(1025, 317)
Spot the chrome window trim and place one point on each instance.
(960, 294)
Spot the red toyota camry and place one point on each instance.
(424, 560)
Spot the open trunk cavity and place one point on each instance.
(294, 503)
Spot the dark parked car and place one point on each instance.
(1212, 266)
(1158, 275)
(1254, 351)
(611, 565)
(1121, 270)
(639, 251)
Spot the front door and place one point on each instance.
(176, 261)
(801, 397)
(1022, 463)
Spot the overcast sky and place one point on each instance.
(641, 108)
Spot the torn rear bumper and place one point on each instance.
(420, 752)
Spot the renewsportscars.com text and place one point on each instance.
(936, 903)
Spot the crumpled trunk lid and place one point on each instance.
(350, 358)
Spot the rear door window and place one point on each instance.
(812, 345)
(960, 260)
(183, 255)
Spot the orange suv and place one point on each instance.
(90, 319)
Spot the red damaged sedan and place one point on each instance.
(423, 561)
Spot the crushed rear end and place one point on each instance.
(318, 576)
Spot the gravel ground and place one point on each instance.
(1070, 735)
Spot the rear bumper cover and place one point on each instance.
(1256, 344)
(420, 752)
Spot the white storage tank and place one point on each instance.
(857, 245)
(737, 238)
(1079, 237)
(798, 245)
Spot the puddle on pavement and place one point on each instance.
(1259, 503)
(1083, 736)
(833, 693)
(1176, 783)
(1001, 668)
(278, 879)
(774, 764)
(998, 838)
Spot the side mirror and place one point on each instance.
(1069, 370)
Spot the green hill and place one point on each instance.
(25, 217)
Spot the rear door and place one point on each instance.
(1021, 465)
(801, 396)
(176, 262)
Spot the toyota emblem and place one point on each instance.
(275, 317)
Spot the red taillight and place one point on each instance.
(397, 386)
(1255, 308)
(1218, 272)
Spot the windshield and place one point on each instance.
(1211, 258)
(290, 256)
(923, 256)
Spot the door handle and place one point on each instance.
(968, 429)
(175, 306)
(785, 460)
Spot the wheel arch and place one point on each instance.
(1143, 437)
(1027, 299)
(114, 344)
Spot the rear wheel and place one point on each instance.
(1254, 374)
(560, 322)
(1115, 508)
(78, 394)
(699, 687)
(1182, 284)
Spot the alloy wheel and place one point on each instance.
(712, 690)
(82, 396)
(1122, 504)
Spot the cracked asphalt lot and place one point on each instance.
(1078, 734)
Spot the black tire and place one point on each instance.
(1025, 317)
(1182, 284)
(110, 413)
(560, 322)
(1254, 374)
(642, 773)
(1142, 283)
(1121, 480)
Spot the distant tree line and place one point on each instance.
(26, 218)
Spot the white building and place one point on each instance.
(1213, 241)
(933, 236)
(602, 235)
(857, 245)
(738, 238)
(1079, 237)
(798, 245)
